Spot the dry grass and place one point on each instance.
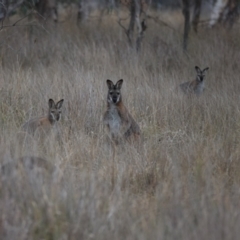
(183, 183)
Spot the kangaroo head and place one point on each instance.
(200, 73)
(114, 91)
(55, 110)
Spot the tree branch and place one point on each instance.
(157, 20)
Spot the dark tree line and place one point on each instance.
(223, 12)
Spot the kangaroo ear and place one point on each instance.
(204, 70)
(59, 104)
(119, 84)
(198, 70)
(51, 103)
(110, 84)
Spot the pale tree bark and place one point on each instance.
(217, 10)
(224, 12)
(47, 9)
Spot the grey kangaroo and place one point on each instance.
(45, 123)
(118, 120)
(196, 86)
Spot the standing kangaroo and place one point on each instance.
(45, 123)
(120, 123)
(196, 86)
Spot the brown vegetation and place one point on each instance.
(184, 181)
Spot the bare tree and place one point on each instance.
(231, 12)
(186, 4)
(218, 8)
(47, 9)
(186, 14)
(141, 26)
(137, 23)
(7, 7)
(196, 14)
(134, 13)
(224, 11)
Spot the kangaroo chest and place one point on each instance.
(199, 88)
(114, 120)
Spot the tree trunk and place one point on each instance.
(3, 9)
(130, 31)
(196, 14)
(186, 14)
(217, 12)
(232, 12)
(48, 9)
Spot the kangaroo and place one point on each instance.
(196, 86)
(45, 123)
(120, 123)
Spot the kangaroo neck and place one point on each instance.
(51, 119)
(115, 105)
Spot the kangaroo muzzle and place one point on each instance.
(115, 99)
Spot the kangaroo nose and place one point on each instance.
(114, 99)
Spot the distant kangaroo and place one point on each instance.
(45, 123)
(120, 123)
(196, 86)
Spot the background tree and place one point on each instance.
(196, 14)
(186, 14)
(137, 25)
(47, 9)
(225, 12)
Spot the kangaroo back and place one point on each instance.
(117, 118)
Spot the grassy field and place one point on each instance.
(182, 183)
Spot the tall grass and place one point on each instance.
(183, 183)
